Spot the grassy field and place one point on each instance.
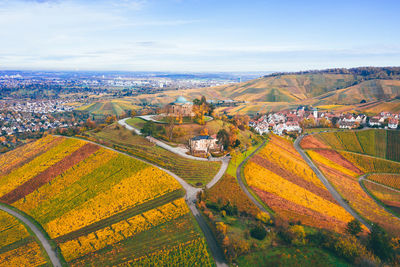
(103, 202)
(193, 171)
(284, 256)
(136, 122)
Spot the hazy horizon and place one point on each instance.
(197, 36)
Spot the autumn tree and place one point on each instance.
(170, 126)
(204, 131)
(354, 227)
(223, 138)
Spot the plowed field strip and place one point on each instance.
(294, 211)
(49, 174)
(122, 215)
(293, 178)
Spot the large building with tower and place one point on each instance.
(180, 107)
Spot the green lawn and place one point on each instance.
(291, 256)
(136, 122)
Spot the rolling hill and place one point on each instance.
(277, 91)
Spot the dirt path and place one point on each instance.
(191, 196)
(241, 183)
(328, 185)
(41, 236)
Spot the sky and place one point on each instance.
(198, 35)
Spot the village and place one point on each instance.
(296, 120)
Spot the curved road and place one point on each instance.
(360, 181)
(191, 196)
(176, 150)
(127, 126)
(38, 233)
(242, 185)
(328, 185)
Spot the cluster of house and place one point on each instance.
(294, 120)
(383, 118)
(278, 123)
(42, 106)
(12, 123)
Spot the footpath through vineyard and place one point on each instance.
(325, 181)
(39, 233)
(191, 195)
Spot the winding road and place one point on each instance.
(41, 236)
(360, 181)
(327, 184)
(191, 197)
(176, 150)
(241, 183)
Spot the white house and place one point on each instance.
(393, 123)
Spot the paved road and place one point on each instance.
(222, 170)
(176, 150)
(191, 197)
(127, 126)
(325, 181)
(242, 185)
(360, 181)
(37, 232)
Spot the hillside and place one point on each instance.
(377, 143)
(104, 108)
(345, 157)
(284, 182)
(277, 91)
(94, 202)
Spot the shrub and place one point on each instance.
(298, 235)
(263, 217)
(379, 243)
(258, 232)
(354, 227)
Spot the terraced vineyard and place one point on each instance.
(194, 172)
(379, 143)
(104, 108)
(280, 177)
(17, 246)
(342, 169)
(388, 197)
(392, 180)
(101, 206)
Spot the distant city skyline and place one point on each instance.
(197, 35)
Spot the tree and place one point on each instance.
(170, 126)
(258, 232)
(110, 119)
(379, 243)
(204, 131)
(354, 227)
(149, 128)
(223, 138)
(298, 235)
